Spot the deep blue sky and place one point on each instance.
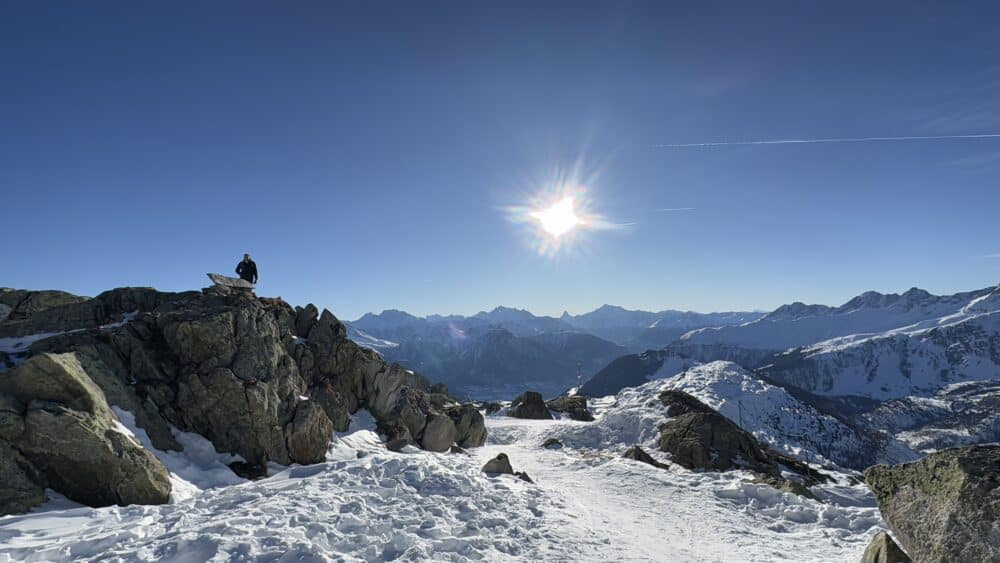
(364, 152)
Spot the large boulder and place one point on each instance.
(500, 465)
(575, 406)
(944, 507)
(72, 440)
(529, 405)
(883, 550)
(439, 433)
(470, 426)
(712, 442)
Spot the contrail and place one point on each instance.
(676, 209)
(830, 140)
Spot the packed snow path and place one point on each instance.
(586, 505)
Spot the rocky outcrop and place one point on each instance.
(500, 465)
(638, 454)
(255, 376)
(679, 402)
(529, 405)
(61, 434)
(712, 442)
(883, 550)
(944, 507)
(702, 439)
(574, 406)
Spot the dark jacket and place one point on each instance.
(247, 269)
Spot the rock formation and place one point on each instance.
(944, 507)
(529, 405)
(59, 432)
(700, 438)
(575, 406)
(255, 376)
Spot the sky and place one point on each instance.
(369, 155)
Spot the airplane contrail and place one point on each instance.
(830, 140)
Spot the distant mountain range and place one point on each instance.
(499, 353)
(925, 368)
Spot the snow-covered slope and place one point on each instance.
(368, 504)
(785, 423)
(912, 361)
(773, 415)
(798, 324)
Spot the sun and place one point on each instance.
(558, 219)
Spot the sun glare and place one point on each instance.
(558, 219)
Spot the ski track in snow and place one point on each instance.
(586, 505)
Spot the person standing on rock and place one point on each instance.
(247, 269)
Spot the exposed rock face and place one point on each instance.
(944, 507)
(638, 454)
(255, 376)
(65, 437)
(883, 550)
(530, 405)
(575, 406)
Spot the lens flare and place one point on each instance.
(557, 216)
(558, 219)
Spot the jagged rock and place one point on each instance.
(305, 319)
(679, 402)
(308, 435)
(575, 406)
(883, 550)
(638, 454)
(499, 464)
(491, 408)
(71, 438)
(529, 405)
(470, 427)
(523, 475)
(439, 433)
(944, 507)
(552, 444)
(233, 368)
(4, 312)
(710, 441)
(20, 490)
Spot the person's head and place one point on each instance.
(246, 256)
